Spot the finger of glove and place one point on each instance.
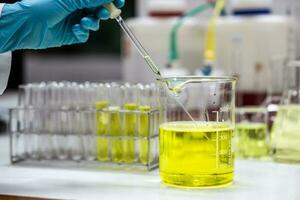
(81, 4)
(119, 3)
(103, 13)
(81, 34)
(90, 23)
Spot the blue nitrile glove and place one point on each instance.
(39, 24)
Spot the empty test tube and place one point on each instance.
(36, 121)
(130, 121)
(50, 123)
(52, 120)
(143, 122)
(22, 96)
(41, 120)
(77, 122)
(85, 133)
(29, 119)
(61, 116)
(102, 117)
(17, 127)
(115, 122)
(26, 103)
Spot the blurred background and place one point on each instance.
(253, 40)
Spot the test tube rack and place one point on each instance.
(79, 125)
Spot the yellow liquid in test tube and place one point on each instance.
(115, 132)
(196, 154)
(130, 122)
(144, 134)
(102, 131)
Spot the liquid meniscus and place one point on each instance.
(196, 154)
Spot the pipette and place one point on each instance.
(115, 13)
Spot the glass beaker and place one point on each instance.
(285, 131)
(196, 136)
(251, 133)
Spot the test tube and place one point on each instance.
(16, 127)
(35, 121)
(21, 96)
(130, 121)
(41, 119)
(143, 122)
(102, 104)
(77, 122)
(28, 119)
(88, 118)
(115, 122)
(26, 91)
(50, 125)
(61, 121)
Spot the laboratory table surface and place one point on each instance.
(253, 180)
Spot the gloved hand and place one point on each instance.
(39, 24)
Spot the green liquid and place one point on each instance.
(285, 134)
(116, 132)
(130, 122)
(196, 154)
(251, 140)
(102, 131)
(144, 134)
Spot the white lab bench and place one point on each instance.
(253, 180)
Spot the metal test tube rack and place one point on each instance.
(82, 134)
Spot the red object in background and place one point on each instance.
(211, 1)
(260, 99)
(165, 14)
(251, 98)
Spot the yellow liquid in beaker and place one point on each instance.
(144, 134)
(130, 121)
(285, 134)
(251, 140)
(196, 154)
(102, 131)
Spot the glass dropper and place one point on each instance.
(115, 13)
